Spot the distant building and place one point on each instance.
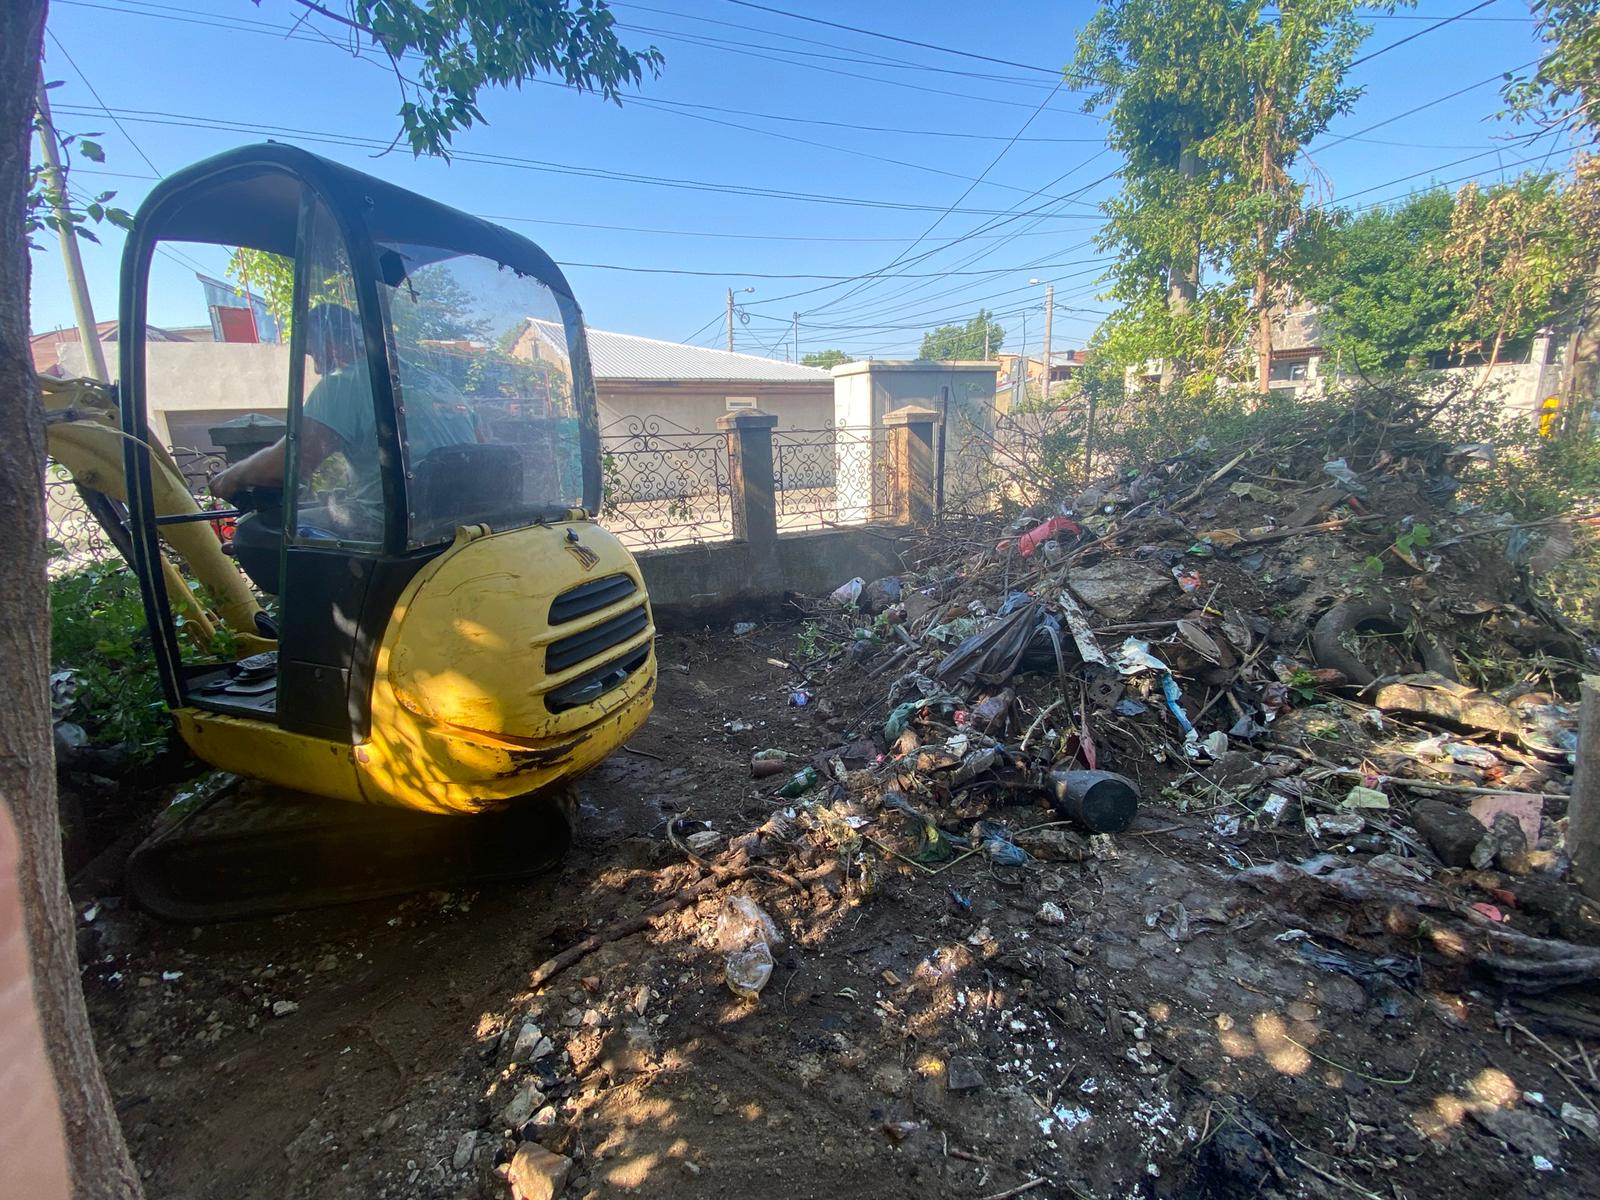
(686, 386)
(48, 347)
(1021, 376)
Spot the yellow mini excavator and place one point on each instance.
(416, 618)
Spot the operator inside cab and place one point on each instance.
(338, 419)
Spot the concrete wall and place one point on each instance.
(719, 582)
(232, 377)
(962, 393)
(696, 406)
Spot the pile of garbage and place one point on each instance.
(1338, 666)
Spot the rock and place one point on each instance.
(1050, 914)
(1581, 1119)
(524, 1102)
(528, 1037)
(1521, 1130)
(465, 1145)
(1451, 833)
(1505, 844)
(282, 1008)
(641, 999)
(328, 962)
(1335, 825)
(1054, 845)
(962, 1076)
(1449, 704)
(1119, 589)
(540, 1124)
(592, 1019)
(704, 842)
(537, 1174)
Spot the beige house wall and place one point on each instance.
(695, 406)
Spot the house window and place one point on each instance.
(1289, 370)
(740, 403)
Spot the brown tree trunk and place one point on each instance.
(98, 1158)
(1183, 277)
(1264, 121)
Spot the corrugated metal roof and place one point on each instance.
(618, 356)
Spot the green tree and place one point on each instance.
(1386, 300)
(1564, 88)
(1211, 103)
(826, 359)
(452, 50)
(980, 339)
(1513, 251)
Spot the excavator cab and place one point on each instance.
(432, 619)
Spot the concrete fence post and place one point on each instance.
(913, 465)
(755, 501)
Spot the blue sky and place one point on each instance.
(752, 101)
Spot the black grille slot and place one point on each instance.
(590, 597)
(570, 651)
(589, 688)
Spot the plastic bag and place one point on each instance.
(746, 936)
(849, 593)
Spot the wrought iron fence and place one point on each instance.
(75, 538)
(662, 484)
(836, 475)
(198, 466)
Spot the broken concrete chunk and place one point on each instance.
(1335, 825)
(1451, 833)
(1459, 709)
(465, 1145)
(1119, 589)
(537, 1174)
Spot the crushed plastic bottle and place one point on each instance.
(746, 936)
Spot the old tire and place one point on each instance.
(1339, 622)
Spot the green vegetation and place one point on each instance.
(1211, 104)
(979, 339)
(826, 359)
(98, 638)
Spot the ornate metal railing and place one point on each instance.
(836, 475)
(75, 538)
(198, 466)
(662, 484)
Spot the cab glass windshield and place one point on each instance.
(483, 392)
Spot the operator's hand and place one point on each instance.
(226, 482)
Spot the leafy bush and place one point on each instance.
(98, 634)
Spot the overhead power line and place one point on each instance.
(889, 37)
(1411, 37)
(191, 121)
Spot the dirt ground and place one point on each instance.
(935, 1038)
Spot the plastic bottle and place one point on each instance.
(746, 936)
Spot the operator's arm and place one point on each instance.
(265, 467)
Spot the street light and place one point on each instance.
(730, 313)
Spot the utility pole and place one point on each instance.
(986, 341)
(94, 355)
(730, 320)
(797, 337)
(1049, 310)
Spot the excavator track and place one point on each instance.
(253, 850)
